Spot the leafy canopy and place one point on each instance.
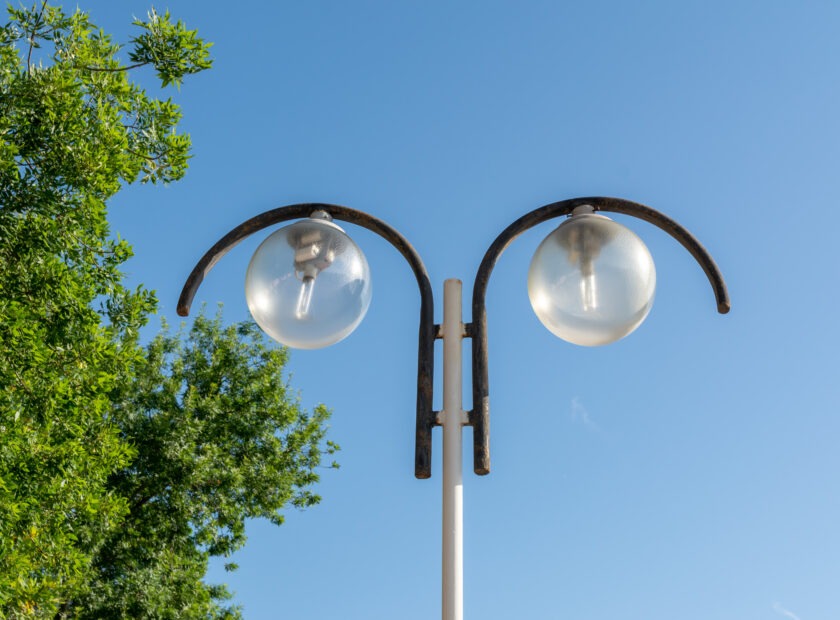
(123, 468)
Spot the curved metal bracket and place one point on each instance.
(425, 363)
(479, 416)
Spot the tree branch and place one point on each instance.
(114, 70)
(156, 159)
(137, 505)
(32, 38)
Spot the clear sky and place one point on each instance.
(687, 472)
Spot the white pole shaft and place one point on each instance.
(453, 420)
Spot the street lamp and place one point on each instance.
(591, 282)
(285, 272)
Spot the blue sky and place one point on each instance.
(689, 471)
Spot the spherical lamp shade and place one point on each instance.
(591, 281)
(308, 284)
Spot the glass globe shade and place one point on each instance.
(308, 285)
(591, 281)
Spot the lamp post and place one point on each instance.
(591, 282)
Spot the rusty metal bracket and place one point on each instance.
(479, 416)
(426, 418)
(476, 330)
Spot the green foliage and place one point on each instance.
(218, 440)
(171, 48)
(122, 468)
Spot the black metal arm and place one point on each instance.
(425, 355)
(479, 417)
(477, 330)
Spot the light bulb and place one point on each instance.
(588, 291)
(305, 297)
(591, 281)
(308, 285)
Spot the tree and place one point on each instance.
(106, 444)
(218, 440)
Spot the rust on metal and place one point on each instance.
(479, 417)
(427, 331)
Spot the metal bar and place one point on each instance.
(453, 419)
(425, 355)
(479, 416)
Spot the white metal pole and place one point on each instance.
(453, 419)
